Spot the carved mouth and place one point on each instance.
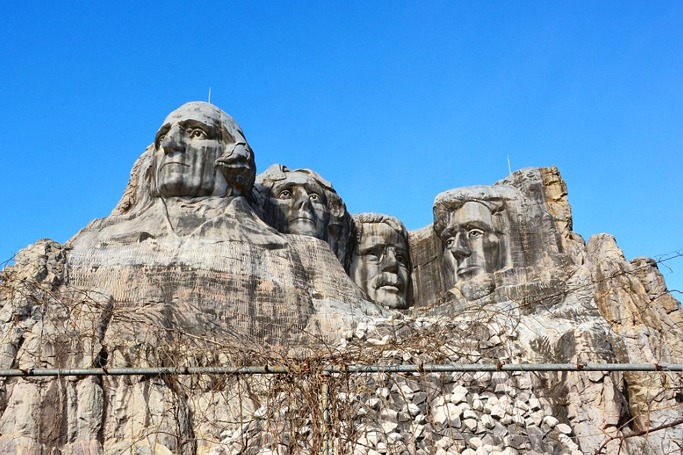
(233, 164)
(300, 219)
(389, 283)
(174, 162)
(390, 288)
(469, 270)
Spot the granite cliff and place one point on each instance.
(205, 264)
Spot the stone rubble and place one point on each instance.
(444, 413)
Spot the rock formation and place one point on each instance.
(204, 264)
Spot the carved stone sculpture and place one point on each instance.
(301, 202)
(184, 274)
(191, 183)
(380, 263)
(472, 241)
(200, 151)
(471, 224)
(185, 219)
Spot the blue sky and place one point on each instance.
(393, 102)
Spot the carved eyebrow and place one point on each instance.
(209, 129)
(476, 224)
(309, 187)
(467, 225)
(278, 187)
(315, 188)
(379, 249)
(364, 250)
(448, 232)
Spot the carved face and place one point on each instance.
(380, 265)
(187, 147)
(299, 206)
(471, 240)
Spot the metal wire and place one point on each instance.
(353, 369)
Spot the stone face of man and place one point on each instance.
(471, 240)
(186, 149)
(380, 265)
(299, 206)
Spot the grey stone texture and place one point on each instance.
(202, 263)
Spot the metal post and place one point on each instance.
(325, 405)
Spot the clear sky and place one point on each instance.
(393, 102)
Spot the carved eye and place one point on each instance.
(450, 242)
(372, 256)
(285, 194)
(197, 133)
(474, 233)
(315, 197)
(401, 257)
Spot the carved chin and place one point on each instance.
(391, 300)
(390, 297)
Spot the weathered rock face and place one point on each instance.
(193, 268)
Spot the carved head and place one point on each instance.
(470, 231)
(380, 262)
(301, 202)
(471, 240)
(200, 151)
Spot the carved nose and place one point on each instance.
(460, 249)
(389, 262)
(233, 153)
(240, 151)
(173, 141)
(303, 201)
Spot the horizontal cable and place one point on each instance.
(279, 369)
